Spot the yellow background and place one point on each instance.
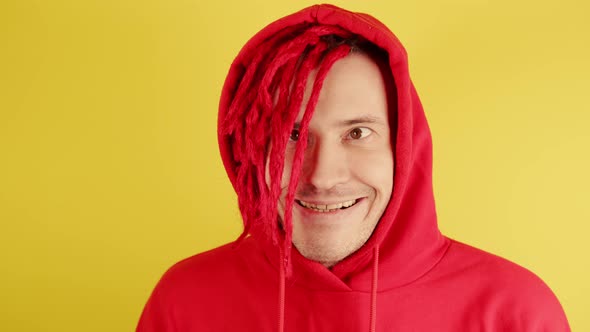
(109, 168)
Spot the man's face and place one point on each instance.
(347, 175)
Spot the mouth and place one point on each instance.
(327, 207)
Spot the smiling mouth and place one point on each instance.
(327, 207)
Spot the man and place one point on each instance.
(326, 143)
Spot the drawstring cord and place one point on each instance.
(282, 292)
(373, 327)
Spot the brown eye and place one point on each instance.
(359, 133)
(294, 135)
(356, 133)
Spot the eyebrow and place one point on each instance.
(357, 120)
(361, 119)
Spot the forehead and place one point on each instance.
(354, 87)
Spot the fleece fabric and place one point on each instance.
(407, 277)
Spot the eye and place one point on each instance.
(294, 136)
(358, 133)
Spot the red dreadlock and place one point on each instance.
(269, 96)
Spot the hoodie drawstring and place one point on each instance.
(373, 319)
(282, 292)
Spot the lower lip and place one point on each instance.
(338, 212)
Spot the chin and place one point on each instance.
(327, 259)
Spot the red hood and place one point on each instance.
(407, 235)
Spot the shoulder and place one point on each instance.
(214, 266)
(490, 267)
(202, 287)
(523, 300)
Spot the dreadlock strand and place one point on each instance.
(283, 123)
(269, 96)
(234, 123)
(329, 59)
(264, 100)
(246, 84)
(257, 123)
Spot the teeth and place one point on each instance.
(328, 207)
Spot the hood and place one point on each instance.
(406, 240)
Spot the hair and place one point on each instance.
(261, 116)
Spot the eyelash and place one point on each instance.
(294, 136)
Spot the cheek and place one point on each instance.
(287, 167)
(375, 169)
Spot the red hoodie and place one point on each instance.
(407, 277)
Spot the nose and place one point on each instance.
(325, 165)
